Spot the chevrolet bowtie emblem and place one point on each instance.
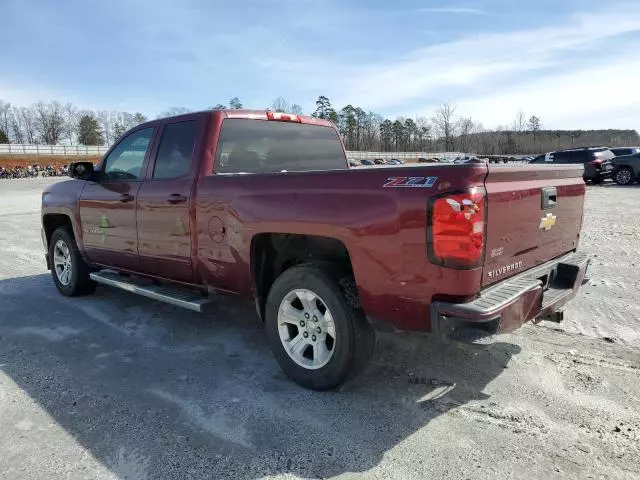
(547, 222)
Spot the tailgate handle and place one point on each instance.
(549, 197)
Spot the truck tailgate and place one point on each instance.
(534, 215)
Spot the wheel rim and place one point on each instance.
(62, 262)
(623, 176)
(307, 329)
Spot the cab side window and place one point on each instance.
(176, 148)
(125, 161)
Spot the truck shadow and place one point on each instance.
(152, 389)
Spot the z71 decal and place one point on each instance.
(412, 182)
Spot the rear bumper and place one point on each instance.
(504, 307)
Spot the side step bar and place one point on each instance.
(177, 296)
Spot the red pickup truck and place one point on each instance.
(264, 205)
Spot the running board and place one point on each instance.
(177, 296)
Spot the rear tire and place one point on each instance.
(69, 270)
(623, 176)
(307, 299)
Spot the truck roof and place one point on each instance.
(251, 115)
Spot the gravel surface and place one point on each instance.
(117, 386)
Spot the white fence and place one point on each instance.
(71, 150)
(19, 149)
(403, 155)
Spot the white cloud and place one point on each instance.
(603, 95)
(453, 10)
(494, 74)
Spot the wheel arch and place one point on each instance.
(52, 221)
(273, 253)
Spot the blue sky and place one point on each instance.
(574, 63)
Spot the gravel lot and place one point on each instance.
(117, 386)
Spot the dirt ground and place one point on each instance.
(13, 161)
(116, 386)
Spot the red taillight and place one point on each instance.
(456, 229)
(283, 117)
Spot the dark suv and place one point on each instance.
(596, 161)
(626, 169)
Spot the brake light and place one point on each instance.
(456, 229)
(283, 117)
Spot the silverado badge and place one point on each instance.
(548, 221)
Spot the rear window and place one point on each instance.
(261, 146)
(604, 154)
(624, 151)
(572, 156)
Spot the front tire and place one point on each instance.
(319, 337)
(69, 270)
(623, 176)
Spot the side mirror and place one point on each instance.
(81, 170)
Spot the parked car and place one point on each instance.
(626, 169)
(596, 161)
(427, 160)
(394, 161)
(354, 163)
(619, 152)
(379, 161)
(326, 253)
(470, 159)
(365, 161)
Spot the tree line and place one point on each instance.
(446, 130)
(53, 123)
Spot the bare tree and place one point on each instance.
(71, 117)
(104, 119)
(296, 109)
(465, 129)
(280, 105)
(17, 131)
(6, 116)
(49, 122)
(25, 122)
(173, 111)
(444, 121)
(520, 123)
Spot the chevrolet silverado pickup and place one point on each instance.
(264, 205)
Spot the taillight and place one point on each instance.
(283, 117)
(456, 229)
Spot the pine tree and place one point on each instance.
(139, 118)
(118, 130)
(235, 103)
(386, 134)
(89, 131)
(534, 123)
(398, 134)
(3, 137)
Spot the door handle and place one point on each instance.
(176, 198)
(126, 197)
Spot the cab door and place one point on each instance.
(108, 206)
(165, 200)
